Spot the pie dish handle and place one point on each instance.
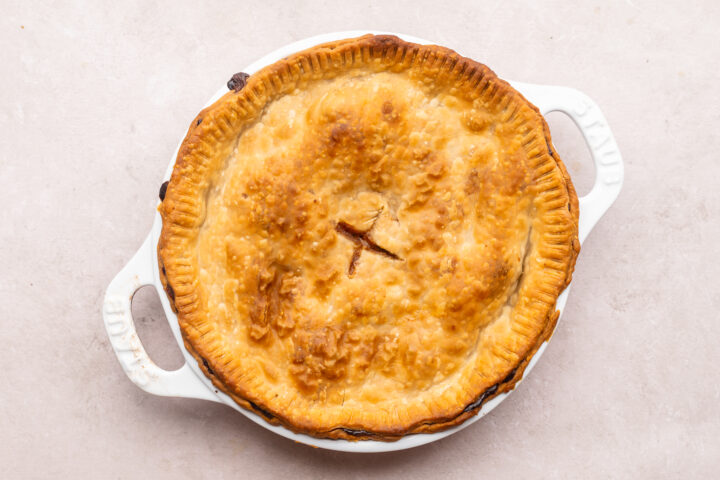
(606, 156)
(131, 354)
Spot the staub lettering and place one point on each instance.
(125, 340)
(598, 137)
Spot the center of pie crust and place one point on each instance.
(362, 241)
(364, 233)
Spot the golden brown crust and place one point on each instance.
(368, 239)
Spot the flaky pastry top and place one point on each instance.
(367, 237)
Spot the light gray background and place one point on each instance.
(94, 97)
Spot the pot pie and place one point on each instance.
(367, 239)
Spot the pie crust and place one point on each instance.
(367, 239)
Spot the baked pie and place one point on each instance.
(367, 239)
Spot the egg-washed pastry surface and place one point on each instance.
(367, 239)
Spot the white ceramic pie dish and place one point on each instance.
(190, 382)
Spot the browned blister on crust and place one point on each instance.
(367, 239)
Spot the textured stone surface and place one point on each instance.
(93, 99)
